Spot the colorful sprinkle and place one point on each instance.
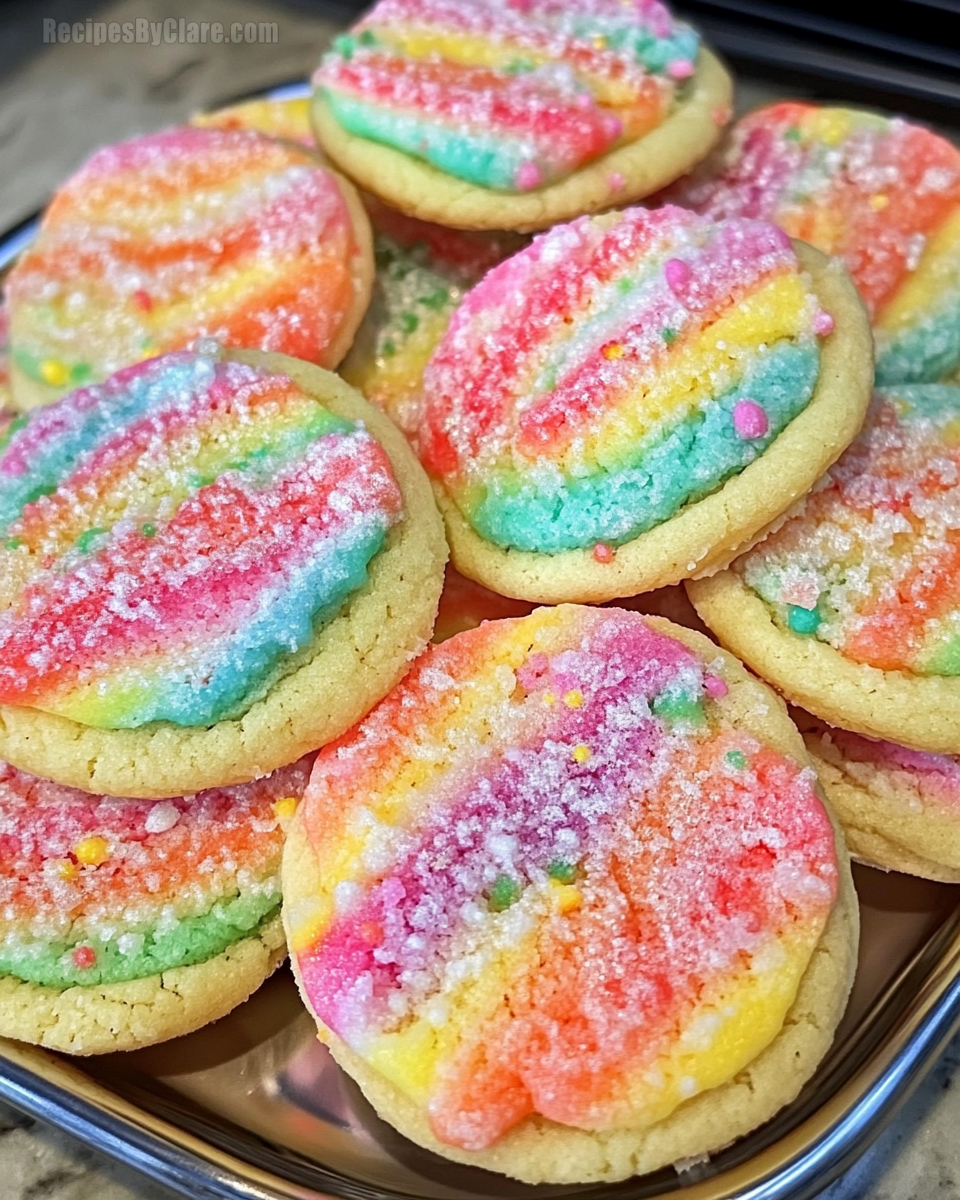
(715, 687)
(749, 419)
(805, 621)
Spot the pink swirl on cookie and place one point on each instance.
(507, 95)
(554, 879)
(185, 234)
(100, 889)
(872, 563)
(881, 194)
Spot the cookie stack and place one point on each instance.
(212, 564)
(562, 891)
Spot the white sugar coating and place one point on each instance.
(161, 817)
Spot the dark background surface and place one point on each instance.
(909, 49)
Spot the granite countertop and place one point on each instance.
(59, 102)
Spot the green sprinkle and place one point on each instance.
(367, 38)
(676, 707)
(409, 322)
(389, 349)
(437, 300)
(802, 620)
(13, 543)
(504, 893)
(669, 336)
(793, 134)
(82, 372)
(345, 45)
(148, 529)
(562, 872)
(85, 541)
(518, 66)
(736, 758)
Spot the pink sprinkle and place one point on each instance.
(749, 420)
(612, 127)
(615, 181)
(84, 957)
(680, 68)
(528, 177)
(714, 686)
(823, 323)
(143, 299)
(603, 553)
(678, 273)
(585, 101)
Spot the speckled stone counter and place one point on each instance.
(56, 106)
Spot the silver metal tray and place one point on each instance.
(253, 1107)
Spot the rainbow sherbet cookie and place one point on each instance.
(184, 234)
(900, 808)
(501, 102)
(612, 377)
(287, 119)
(180, 541)
(127, 922)
(423, 272)
(882, 194)
(861, 589)
(559, 888)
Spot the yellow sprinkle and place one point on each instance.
(613, 350)
(879, 202)
(950, 433)
(67, 869)
(581, 753)
(600, 42)
(573, 698)
(285, 807)
(92, 851)
(567, 897)
(549, 698)
(54, 372)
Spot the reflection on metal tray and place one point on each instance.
(253, 1107)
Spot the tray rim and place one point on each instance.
(797, 1166)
